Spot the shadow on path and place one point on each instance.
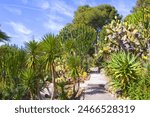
(95, 88)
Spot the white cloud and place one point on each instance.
(19, 39)
(55, 17)
(59, 13)
(18, 6)
(122, 6)
(14, 10)
(53, 26)
(82, 2)
(62, 8)
(44, 5)
(20, 28)
(85, 2)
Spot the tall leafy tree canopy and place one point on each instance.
(141, 4)
(79, 37)
(95, 17)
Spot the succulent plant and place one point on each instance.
(124, 36)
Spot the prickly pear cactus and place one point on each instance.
(124, 36)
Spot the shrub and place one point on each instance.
(139, 90)
(124, 68)
(126, 37)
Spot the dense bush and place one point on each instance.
(124, 69)
(139, 90)
(124, 36)
(125, 75)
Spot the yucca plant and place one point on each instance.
(3, 36)
(50, 47)
(125, 68)
(32, 62)
(74, 64)
(29, 83)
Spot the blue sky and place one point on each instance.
(24, 20)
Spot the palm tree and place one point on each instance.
(32, 63)
(3, 37)
(32, 53)
(51, 50)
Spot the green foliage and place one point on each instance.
(3, 36)
(141, 4)
(102, 35)
(29, 82)
(137, 86)
(50, 47)
(12, 63)
(78, 40)
(74, 64)
(63, 58)
(61, 82)
(124, 68)
(81, 37)
(95, 17)
(141, 20)
(32, 53)
(124, 36)
(139, 90)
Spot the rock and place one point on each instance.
(47, 91)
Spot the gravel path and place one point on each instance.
(95, 88)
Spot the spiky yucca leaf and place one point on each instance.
(124, 67)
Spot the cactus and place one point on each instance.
(124, 36)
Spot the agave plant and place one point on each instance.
(125, 68)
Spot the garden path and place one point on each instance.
(94, 89)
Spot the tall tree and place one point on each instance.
(32, 64)
(141, 4)
(82, 35)
(95, 17)
(51, 50)
(77, 40)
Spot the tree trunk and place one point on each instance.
(78, 84)
(31, 95)
(96, 48)
(78, 80)
(53, 81)
(38, 89)
(74, 89)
